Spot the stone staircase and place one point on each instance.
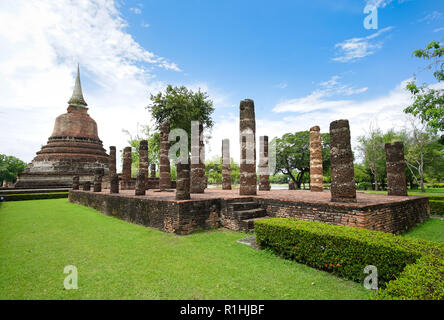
(246, 212)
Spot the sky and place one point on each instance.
(304, 63)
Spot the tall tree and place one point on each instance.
(180, 106)
(143, 132)
(213, 170)
(293, 155)
(422, 149)
(10, 168)
(371, 147)
(428, 104)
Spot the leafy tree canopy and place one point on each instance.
(428, 104)
(10, 167)
(180, 106)
(143, 133)
(293, 154)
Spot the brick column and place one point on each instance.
(143, 157)
(112, 161)
(153, 170)
(316, 174)
(343, 188)
(127, 162)
(226, 166)
(98, 174)
(183, 181)
(395, 164)
(114, 183)
(247, 126)
(164, 169)
(87, 186)
(140, 184)
(264, 172)
(75, 183)
(198, 181)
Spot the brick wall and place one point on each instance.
(397, 217)
(180, 217)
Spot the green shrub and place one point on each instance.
(436, 208)
(364, 185)
(344, 251)
(436, 185)
(423, 280)
(34, 196)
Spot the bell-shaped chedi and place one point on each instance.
(73, 149)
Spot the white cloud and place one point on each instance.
(386, 111)
(145, 25)
(41, 43)
(378, 3)
(357, 48)
(136, 10)
(438, 29)
(281, 85)
(317, 99)
(433, 16)
(382, 3)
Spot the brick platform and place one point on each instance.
(214, 208)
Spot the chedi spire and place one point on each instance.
(77, 95)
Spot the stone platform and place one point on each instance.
(226, 208)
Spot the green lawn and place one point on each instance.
(119, 260)
(417, 192)
(432, 230)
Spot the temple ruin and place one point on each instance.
(247, 130)
(226, 165)
(316, 173)
(395, 165)
(73, 149)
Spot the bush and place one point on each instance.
(436, 185)
(34, 196)
(364, 185)
(344, 251)
(423, 280)
(436, 208)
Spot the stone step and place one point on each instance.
(249, 214)
(247, 225)
(247, 205)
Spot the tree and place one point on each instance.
(428, 103)
(213, 171)
(293, 155)
(371, 147)
(422, 150)
(180, 106)
(143, 132)
(10, 168)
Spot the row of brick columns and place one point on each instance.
(343, 187)
(191, 178)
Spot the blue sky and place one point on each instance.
(304, 63)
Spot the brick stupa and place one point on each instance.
(73, 149)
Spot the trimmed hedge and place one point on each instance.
(34, 196)
(436, 208)
(341, 250)
(423, 280)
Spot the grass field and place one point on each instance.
(415, 192)
(432, 230)
(119, 260)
